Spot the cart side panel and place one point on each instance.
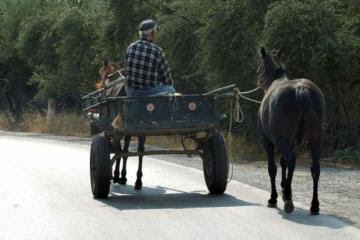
(170, 112)
(160, 115)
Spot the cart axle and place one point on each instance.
(159, 152)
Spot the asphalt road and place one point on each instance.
(45, 194)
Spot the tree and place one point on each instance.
(61, 46)
(14, 71)
(179, 22)
(316, 44)
(122, 26)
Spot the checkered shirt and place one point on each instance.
(146, 65)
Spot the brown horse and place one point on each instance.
(290, 111)
(109, 72)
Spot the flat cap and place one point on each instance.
(147, 25)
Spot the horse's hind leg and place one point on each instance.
(288, 203)
(283, 172)
(123, 178)
(315, 173)
(141, 148)
(272, 170)
(288, 158)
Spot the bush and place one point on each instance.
(319, 42)
(6, 122)
(348, 155)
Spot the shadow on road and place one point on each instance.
(126, 198)
(302, 216)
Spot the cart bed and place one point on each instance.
(156, 115)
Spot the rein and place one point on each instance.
(235, 113)
(236, 101)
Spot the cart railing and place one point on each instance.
(94, 99)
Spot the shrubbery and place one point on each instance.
(53, 49)
(348, 155)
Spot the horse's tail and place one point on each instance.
(312, 105)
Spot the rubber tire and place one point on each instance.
(216, 164)
(94, 128)
(100, 169)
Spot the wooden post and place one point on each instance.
(50, 112)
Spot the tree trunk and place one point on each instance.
(15, 112)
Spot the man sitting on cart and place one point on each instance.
(147, 71)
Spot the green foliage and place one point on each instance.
(179, 38)
(348, 155)
(54, 49)
(14, 74)
(306, 33)
(318, 41)
(14, 71)
(61, 47)
(225, 36)
(229, 34)
(122, 26)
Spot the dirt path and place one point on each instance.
(339, 189)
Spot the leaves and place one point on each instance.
(319, 43)
(54, 49)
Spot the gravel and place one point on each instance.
(339, 188)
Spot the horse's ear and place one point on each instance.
(106, 62)
(263, 52)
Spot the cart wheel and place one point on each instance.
(100, 169)
(94, 128)
(216, 164)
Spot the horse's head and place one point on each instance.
(108, 72)
(269, 69)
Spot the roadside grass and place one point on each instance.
(243, 150)
(7, 122)
(4, 122)
(173, 142)
(251, 152)
(66, 124)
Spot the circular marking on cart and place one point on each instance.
(192, 106)
(150, 107)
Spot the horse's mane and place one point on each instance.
(277, 69)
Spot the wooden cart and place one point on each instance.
(195, 118)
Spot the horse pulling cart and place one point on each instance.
(195, 118)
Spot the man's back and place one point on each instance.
(146, 65)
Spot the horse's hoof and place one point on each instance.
(314, 213)
(288, 206)
(122, 181)
(116, 180)
(272, 203)
(314, 210)
(138, 185)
